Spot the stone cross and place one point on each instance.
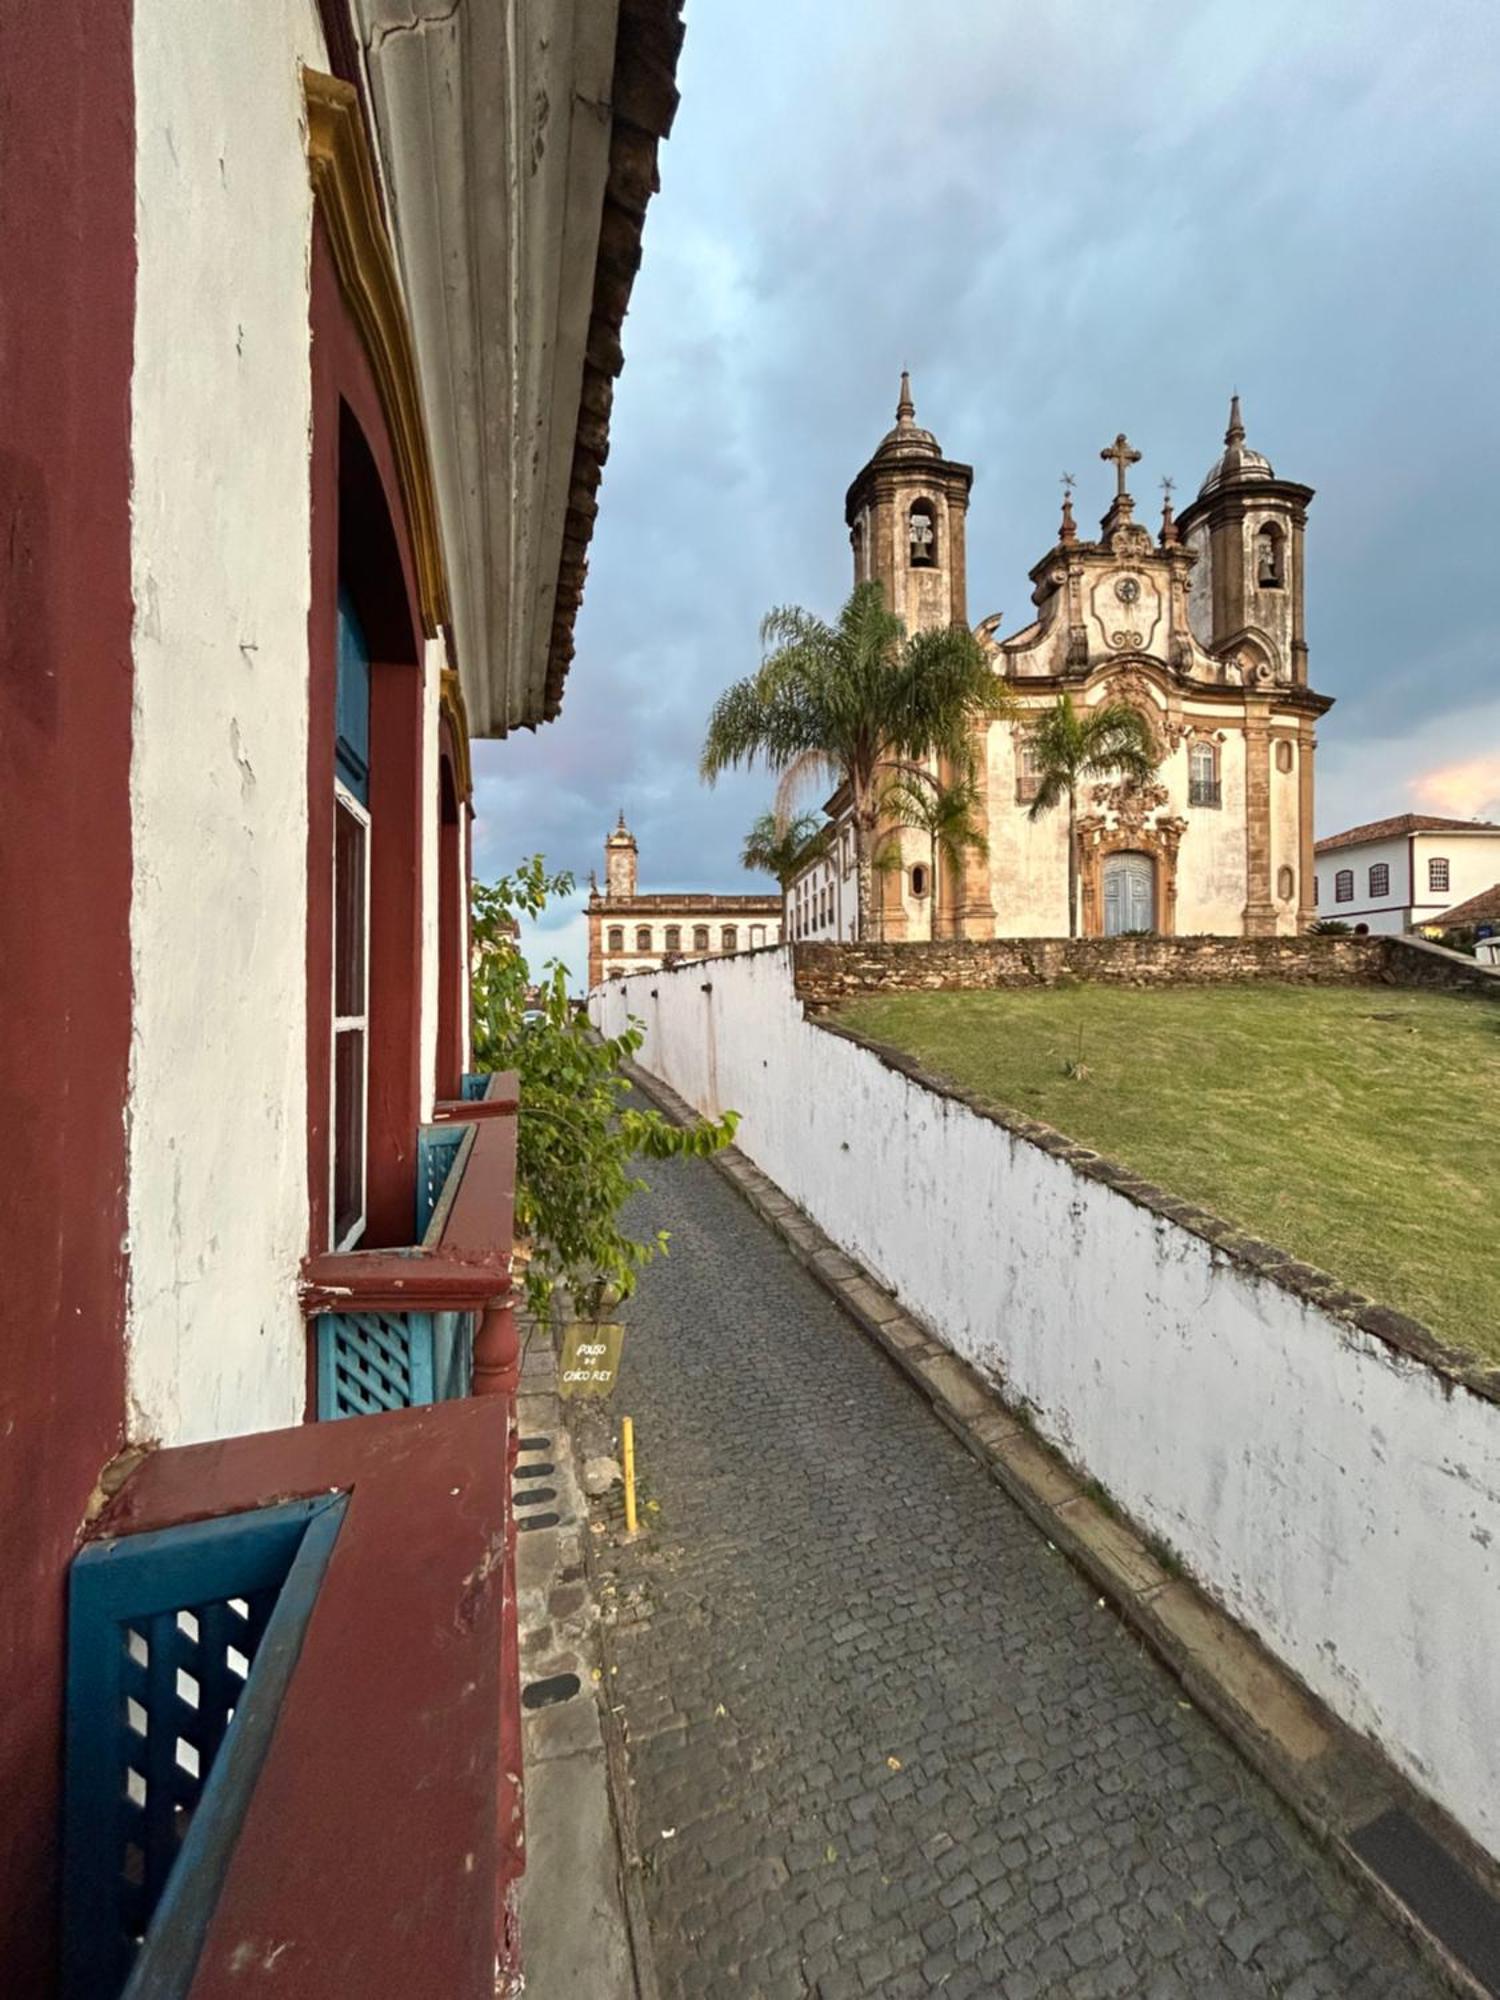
(1123, 454)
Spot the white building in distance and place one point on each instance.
(1394, 875)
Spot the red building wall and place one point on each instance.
(66, 328)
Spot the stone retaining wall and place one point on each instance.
(827, 973)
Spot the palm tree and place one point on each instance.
(847, 699)
(784, 847)
(948, 813)
(1069, 746)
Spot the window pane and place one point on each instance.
(349, 840)
(348, 1131)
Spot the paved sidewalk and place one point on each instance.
(884, 1740)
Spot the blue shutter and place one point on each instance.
(352, 705)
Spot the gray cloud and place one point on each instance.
(1065, 220)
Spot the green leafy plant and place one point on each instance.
(784, 847)
(845, 701)
(577, 1136)
(1330, 927)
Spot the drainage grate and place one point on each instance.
(535, 1471)
(534, 1444)
(537, 1521)
(534, 1496)
(547, 1693)
(1461, 1914)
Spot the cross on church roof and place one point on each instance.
(1124, 454)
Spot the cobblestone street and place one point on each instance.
(884, 1739)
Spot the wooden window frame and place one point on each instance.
(344, 800)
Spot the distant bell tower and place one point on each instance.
(1246, 596)
(905, 513)
(620, 863)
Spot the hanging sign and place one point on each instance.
(590, 1357)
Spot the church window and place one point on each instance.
(921, 535)
(643, 937)
(673, 941)
(757, 936)
(729, 938)
(919, 880)
(617, 937)
(1380, 879)
(1283, 755)
(1204, 786)
(1286, 883)
(1437, 873)
(1268, 567)
(1028, 772)
(700, 937)
(1343, 886)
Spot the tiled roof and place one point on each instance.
(1481, 909)
(1403, 823)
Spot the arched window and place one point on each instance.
(1268, 554)
(1204, 788)
(1028, 771)
(1380, 879)
(673, 938)
(919, 879)
(1286, 884)
(921, 535)
(700, 937)
(643, 937)
(617, 937)
(1343, 886)
(729, 938)
(1283, 755)
(1437, 873)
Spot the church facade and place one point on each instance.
(1199, 626)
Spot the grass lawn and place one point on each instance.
(1353, 1126)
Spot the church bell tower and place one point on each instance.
(905, 512)
(620, 857)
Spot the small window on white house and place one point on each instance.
(1343, 886)
(1437, 873)
(617, 937)
(673, 939)
(351, 1014)
(1380, 879)
(757, 936)
(700, 937)
(729, 938)
(643, 937)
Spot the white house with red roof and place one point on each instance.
(1393, 875)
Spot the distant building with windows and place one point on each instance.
(1399, 874)
(629, 932)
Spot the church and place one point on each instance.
(1199, 626)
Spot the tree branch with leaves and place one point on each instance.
(577, 1136)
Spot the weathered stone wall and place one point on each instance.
(827, 973)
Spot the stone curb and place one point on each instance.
(1332, 1779)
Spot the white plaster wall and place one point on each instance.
(220, 562)
(1473, 866)
(1382, 913)
(1344, 1503)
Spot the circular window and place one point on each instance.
(1283, 755)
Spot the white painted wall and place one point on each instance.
(1383, 914)
(1341, 1501)
(220, 539)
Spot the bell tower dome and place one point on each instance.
(620, 856)
(905, 512)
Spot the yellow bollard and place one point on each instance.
(627, 1452)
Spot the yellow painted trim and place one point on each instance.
(343, 179)
(452, 705)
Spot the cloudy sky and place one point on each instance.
(1065, 219)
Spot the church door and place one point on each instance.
(1129, 894)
